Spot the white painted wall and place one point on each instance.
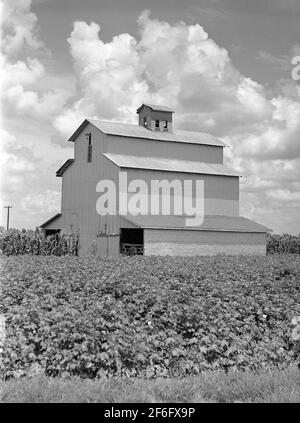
(193, 243)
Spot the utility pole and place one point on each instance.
(7, 224)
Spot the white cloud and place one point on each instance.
(30, 99)
(20, 92)
(47, 202)
(22, 89)
(17, 163)
(284, 195)
(33, 104)
(21, 72)
(19, 27)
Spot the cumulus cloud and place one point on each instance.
(47, 202)
(33, 104)
(20, 72)
(24, 184)
(26, 102)
(21, 91)
(20, 94)
(17, 164)
(19, 26)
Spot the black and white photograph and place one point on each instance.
(150, 205)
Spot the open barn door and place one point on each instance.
(132, 241)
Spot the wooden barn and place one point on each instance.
(149, 151)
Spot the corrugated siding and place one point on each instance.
(79, 194)
(221, 192)
(183, 242)
(155, 148)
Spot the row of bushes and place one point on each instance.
(15, 242)
(285, 243)
(148, 316)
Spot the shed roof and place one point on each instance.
(56, 216)
(211, 223)
(64, 167)
(170, 165)
(137, 131)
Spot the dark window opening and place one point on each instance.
(89, 158)
(90, 147)
(165, 124)
(132, 242)
(145, 121)
(157, 124)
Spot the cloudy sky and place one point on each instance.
(223, 65)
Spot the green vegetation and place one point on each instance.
(148, 317)
(276, 386)
(14, 242)
(283, 244)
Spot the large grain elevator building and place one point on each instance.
(149, 151)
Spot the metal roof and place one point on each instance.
(56, 216)
(170, 165)
(156, 108)
(211, 223)
(64, 167)
(137, 131)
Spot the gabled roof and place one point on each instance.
(137, 131)
(169, 165)
(155, 107)
(211, 223)
(64, 167)
(56, 216)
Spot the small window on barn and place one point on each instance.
(165, 124)
(90, 147)
(145, 121)
(157, 124)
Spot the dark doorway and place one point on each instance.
(132, 242)
(50, 232)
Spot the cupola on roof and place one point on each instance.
(155, 117)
